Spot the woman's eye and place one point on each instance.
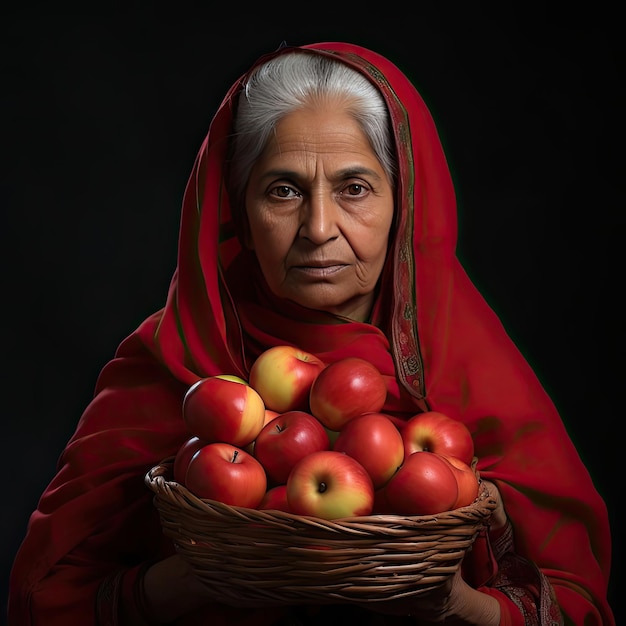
(355, 189)
(283, 191)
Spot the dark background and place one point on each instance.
(101, 121)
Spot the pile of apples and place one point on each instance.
(310, 438)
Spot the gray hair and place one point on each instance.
(288, 82)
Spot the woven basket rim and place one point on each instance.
(159, 481)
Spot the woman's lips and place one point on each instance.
(320, 271)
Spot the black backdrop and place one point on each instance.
(101, 120)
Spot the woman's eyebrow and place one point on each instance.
(348, 172)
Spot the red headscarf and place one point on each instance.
(432, 334)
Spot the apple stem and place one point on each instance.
(235, 453)
(322, 487)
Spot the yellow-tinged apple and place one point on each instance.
(434, 431)
(282, 375)
(330, 485)
(218, 409)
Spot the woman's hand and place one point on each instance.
(172, 593)
(498, 517)
(455, 602)
(171, 590)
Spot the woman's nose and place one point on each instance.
(319, 219)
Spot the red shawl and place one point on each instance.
(433, 336)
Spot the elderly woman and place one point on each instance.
(320, 213)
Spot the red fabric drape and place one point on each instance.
(433, 336)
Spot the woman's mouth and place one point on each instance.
(318, 271)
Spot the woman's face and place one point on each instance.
(319, 208)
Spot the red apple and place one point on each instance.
(424, 485)
(282, 375)
(275, 499)
(330, 485)
(183, 456)
(224, 410)
(345, 389)
(433, 431)
(220, 471)
(375, 442)
(285, 440)
(467, 481)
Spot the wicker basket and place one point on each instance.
(254, 558)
